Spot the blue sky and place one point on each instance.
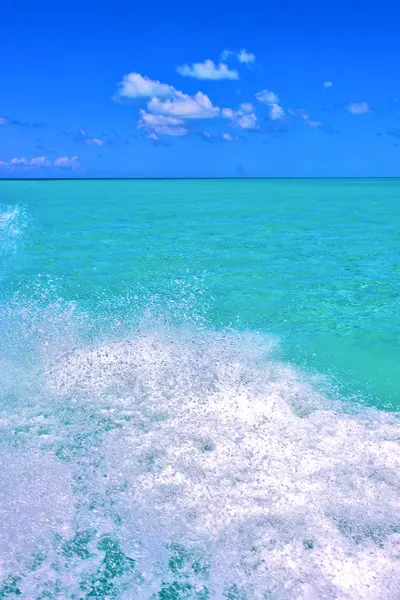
(216, 88)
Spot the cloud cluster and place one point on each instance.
(208, 70)
(270, 99)
(168, 110)
(41, 161)
(167, 107)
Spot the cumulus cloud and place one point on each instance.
(244, 118)
(358, 108)
(267, 97)
(40, 161)
(208, 70)
(243, 56)
(135, 85)
(159, 124)
(64, 161)
(184, 106)
(328, 84)
(271, 100)
(276, 112)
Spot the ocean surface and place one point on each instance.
(200, 389)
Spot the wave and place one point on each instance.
(156, 461)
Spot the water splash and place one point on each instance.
(153, 461)
(12, 223)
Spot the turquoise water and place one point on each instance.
(200, 389)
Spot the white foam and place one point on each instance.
(288, 493)
(12, 223)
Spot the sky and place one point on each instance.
(206, 89)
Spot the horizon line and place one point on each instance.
(193, 178)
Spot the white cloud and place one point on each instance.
(40, 161)
(135, 85)
(358, 108)
(243, 56)
(227, 137)
(208, 70)
(314, 123)
(19, 161)
(64, 161)
(301, 113)
(184, 106)
(267, 97)
(82, 137)
(152, 136)
(248, 121)
(159, 124)
(298, 112)
(172, 131)
(152, 120)
(276, 112)
(271, 100)
(244, 119)
(94, 142)
(247, 107)
(328, 84)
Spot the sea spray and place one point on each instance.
(148, 460)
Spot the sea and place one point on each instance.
(200, 389)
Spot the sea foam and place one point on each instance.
(173, 463)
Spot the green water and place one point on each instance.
(199, 389)
(313, 262)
